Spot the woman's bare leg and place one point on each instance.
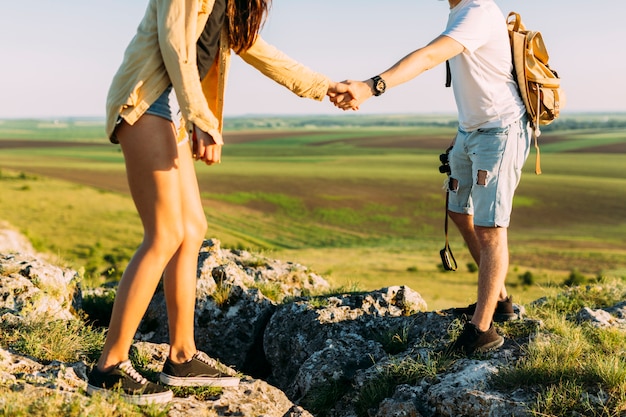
(180, 274)
(153, 170)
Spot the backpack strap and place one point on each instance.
(516, 22)
(536, 134)
(537, 155)
(448, 74)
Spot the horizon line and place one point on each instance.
(318, 115)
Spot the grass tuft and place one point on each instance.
(407, 371)
(66, 341)
(221, 295)
(394, 340)
(200, 393)
(321, 399)
(271, 290)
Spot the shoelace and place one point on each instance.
(127, 367)
(203, 357)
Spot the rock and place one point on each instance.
(397, 407)
(231, 309)
(31, 288)
(465, 392)
(298, 330)
(12, 241)
(603, 318)
(255, 398)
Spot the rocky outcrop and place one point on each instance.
(31, 288)
(303, 350)
(237, 294)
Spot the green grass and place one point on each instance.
(565, 360)
(59, 404)
(83, 129)
(53, 340)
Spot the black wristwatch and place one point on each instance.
(379, 85)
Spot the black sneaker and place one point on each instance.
(200, 370)
(504, 311)
(472, 340)
(129, 384)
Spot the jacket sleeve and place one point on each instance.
(286, 71)
(177, 27)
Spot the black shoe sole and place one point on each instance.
(490, 346)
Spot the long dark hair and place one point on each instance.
(245, 20)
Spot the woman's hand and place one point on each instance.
(204, 146)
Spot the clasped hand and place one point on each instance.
(349, 94)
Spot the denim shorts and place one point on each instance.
(486, 166)
(161, 107)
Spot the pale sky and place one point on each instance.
(57, 57)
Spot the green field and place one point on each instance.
(357, 199)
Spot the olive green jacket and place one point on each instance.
(163, 52)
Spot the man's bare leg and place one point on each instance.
(465, 224)
(494, 265)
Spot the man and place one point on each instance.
(490, 148)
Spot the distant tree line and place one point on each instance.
(566, 122)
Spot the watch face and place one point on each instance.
(379, 85)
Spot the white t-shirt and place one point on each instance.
(485, 91)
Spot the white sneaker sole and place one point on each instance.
(139, 399)
(175, 381)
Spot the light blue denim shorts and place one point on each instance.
(161, 107)
(486, 167)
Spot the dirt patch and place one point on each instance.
(610, 148)
(393, 141)
(229, 138)
(548, 139)
(114, 181)
(247, 137)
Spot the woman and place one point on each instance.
(184, 46)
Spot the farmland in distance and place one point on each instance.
(357, 199)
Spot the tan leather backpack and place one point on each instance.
(539, 85)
